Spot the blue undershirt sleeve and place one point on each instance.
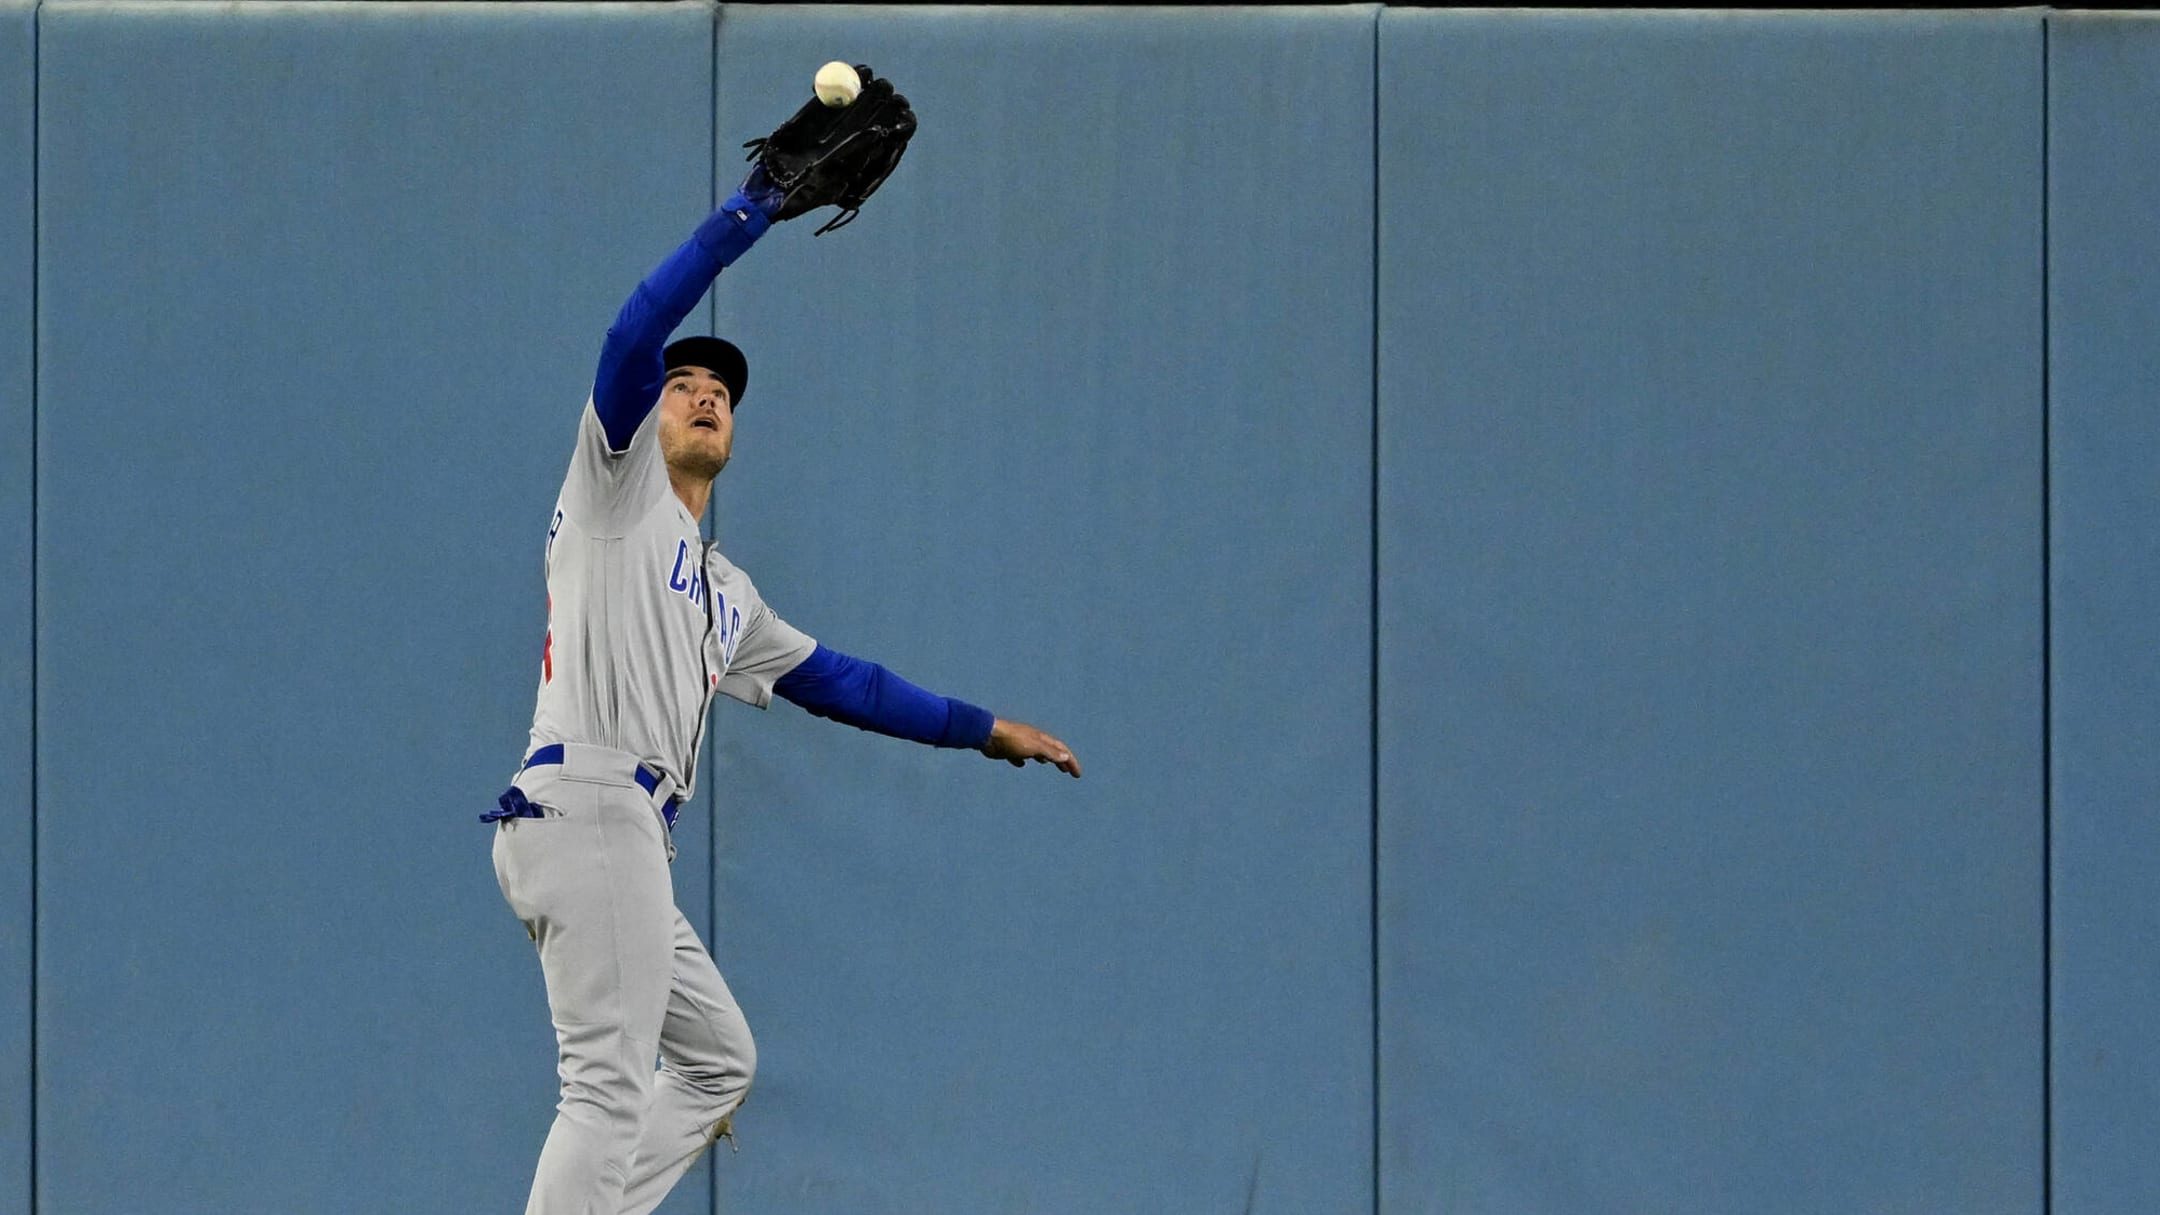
(865, 695)
(627, 384)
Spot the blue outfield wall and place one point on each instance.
(1708, 486)
(1074, 421)
(18, 39)
(2104, 526)
(1710, 623)
(324, 287)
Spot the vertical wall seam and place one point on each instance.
(37, 22)
(1373, 631)
(709, 751)
(2047, 653)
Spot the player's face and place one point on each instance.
(697, 422)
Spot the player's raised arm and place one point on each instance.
(627, 384)
(865, 695)
(831, 153)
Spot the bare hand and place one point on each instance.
(1016, 743)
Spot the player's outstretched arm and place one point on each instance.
(627, 384)
(865, 695)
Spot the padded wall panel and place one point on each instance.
(17, 62)
(2104, 312)
(324, 285)
(1710, 612)
(1073, 422)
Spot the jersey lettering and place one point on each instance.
(692, 586)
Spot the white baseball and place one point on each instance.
(837, 84)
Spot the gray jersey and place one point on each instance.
(645, 619)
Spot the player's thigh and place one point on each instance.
(591, 880)
(705, 1030)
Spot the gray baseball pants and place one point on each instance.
(627, 979)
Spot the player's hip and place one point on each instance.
(549, 763)
(564, 827)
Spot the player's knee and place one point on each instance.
(721, 1079)
(748, 1063)
(742, 1069)
(721, 1085)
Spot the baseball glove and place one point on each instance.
(832, 155)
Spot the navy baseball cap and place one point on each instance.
(717, 355)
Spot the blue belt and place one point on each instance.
(512, 804)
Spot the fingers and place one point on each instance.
(1054, 752)
(1018, 743)
(1063, 761)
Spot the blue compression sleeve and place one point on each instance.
(628, 383)
(869, 697)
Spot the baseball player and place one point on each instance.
(646, 621)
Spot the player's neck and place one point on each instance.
(694, 491)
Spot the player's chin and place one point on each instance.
(698, 455)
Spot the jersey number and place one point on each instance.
(547, 650)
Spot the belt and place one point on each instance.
(512, 804)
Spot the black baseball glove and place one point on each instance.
(832, 155)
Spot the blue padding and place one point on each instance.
(320, 289)
(17, 40)
(1075, 417)
(2104, 545)
(1710, 715)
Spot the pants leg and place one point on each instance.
(707, 1060)
(590, 881)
